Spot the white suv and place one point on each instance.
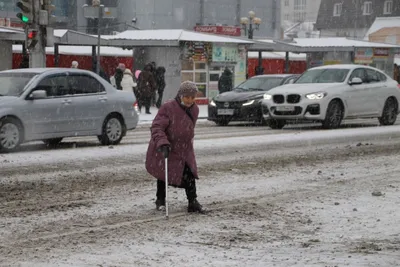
(332, 93)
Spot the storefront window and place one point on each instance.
(195, 72)
(187, 76)
(200, 77)
(187, 65)
(200, 66)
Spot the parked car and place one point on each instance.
(243, 102)
(329, 94)
(50, 104)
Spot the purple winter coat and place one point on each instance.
(173, 126)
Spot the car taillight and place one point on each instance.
(135, 106)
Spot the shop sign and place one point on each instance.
(5, 22)
(197, 51)
(381, 52)
(224, 53)
(363, 56)
(240, 67)
(222, 30)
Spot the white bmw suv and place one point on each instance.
(332, 93)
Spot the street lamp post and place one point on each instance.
(253, 23)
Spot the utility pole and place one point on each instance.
(356, 19)
(99, 12)
(37, 58)
(99, 23)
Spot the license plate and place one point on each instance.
(225, 111)
(285, 108)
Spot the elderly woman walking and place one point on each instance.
(172, 134)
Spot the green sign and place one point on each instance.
(224, 53)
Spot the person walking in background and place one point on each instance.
(25, 62)
(74, 64)
(154, 72)
(172, 134)
(127, 83)
(146, 88)
(396, 74)
(118, 76)
(102, 73)
(135, 89)
(160, 80)
(225, 81)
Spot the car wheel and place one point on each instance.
(222, 122)
(11, 134)
(53, 141)
(389, 114)
(113, 130)
(276, 124)
(334, 115)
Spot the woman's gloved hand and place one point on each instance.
(164, 149)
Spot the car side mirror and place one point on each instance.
(38, 94)
(356, 81)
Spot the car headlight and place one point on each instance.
(212, 103)
(248, 103)
(267, 96)
(316, 96)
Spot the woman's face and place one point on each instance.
(188, 101)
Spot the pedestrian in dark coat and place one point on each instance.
(172, 134)
(225, 81)
(102, 73)
(146, 88)
(25, 62)
(160, 80)
(396, 75)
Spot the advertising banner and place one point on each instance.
(222, 30)
(381, 52)
(363, 56)
(222, 53)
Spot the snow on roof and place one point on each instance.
(176, 35)
(382, 22)
(59, 33)
(11, 30)
(83, 50)
(336, 42)
(271, 41)
(278, 55)
(303, 29)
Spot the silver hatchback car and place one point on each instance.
(49, 104)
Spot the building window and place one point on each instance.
(367, 10)
(287, 17)
(195, 72)
(61, 8)
(286, 2)
(388, 7)
(337, 10)
(300, 5)
(299, 16)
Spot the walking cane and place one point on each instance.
(166, 188)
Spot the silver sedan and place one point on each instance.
(49, 104)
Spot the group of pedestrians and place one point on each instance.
(144, 84)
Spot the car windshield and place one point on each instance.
(260, 84)
(323, 76)
(13, 84)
